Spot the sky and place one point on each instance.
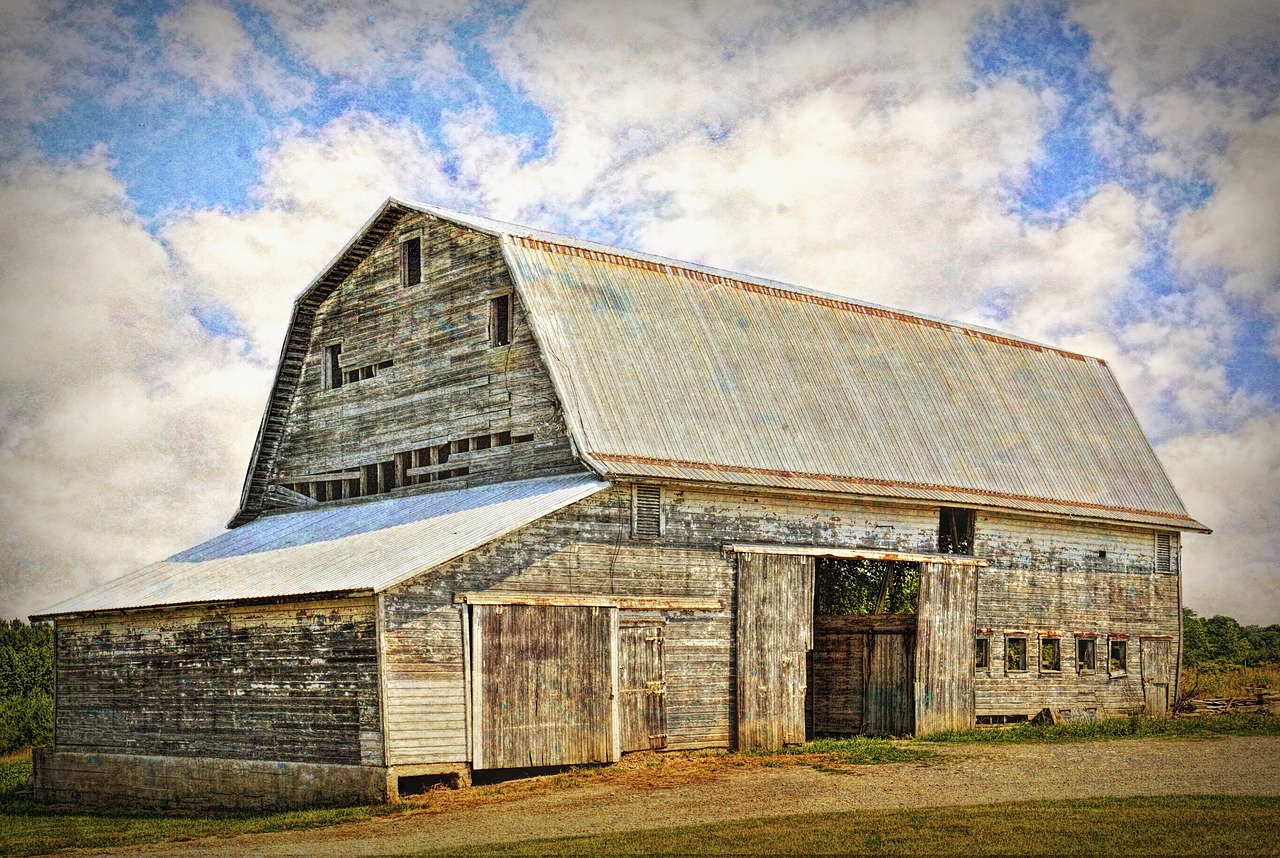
(1103, 177)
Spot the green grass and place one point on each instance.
(28, 827)
(1174, 825)
(1135, 727)
(855, 751)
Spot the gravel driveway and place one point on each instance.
(647, 792)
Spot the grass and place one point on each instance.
(28, 827)
(1228, 680)
(1165, 825)
(1134, 727)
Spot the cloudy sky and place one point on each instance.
(1100, 176)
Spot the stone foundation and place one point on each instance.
(128, 781)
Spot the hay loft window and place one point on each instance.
(856, 586)
(1118, 656)
(411, 262)
(1164, 552)
(332, 366)
(1015, 654)
(646, 512)
(955, 530)
(500, 321)
(1086, 655)
(982, 653)
(1050, 655)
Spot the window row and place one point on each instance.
(1017, 654)
(411, 468)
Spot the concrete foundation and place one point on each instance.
(128, 781)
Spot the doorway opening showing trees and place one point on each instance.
(861, 669)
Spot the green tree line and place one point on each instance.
(26, 685)
(1221, 640)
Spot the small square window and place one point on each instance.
(1015, 659)
(1050, 655)
(1118, 660)
(411, 262)
(500, 321)
(955, 530)
(1086, 655)
(982, 653)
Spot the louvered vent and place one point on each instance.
(1162, 552)
(646, 512)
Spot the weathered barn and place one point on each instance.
(519, 500)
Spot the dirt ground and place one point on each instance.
(650, 791)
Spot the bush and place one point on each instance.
(26, 685)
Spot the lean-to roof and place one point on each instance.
(366, 547)
(673, 370)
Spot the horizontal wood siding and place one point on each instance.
(588, 550)
(446, 381)
(294, 682)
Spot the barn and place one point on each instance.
(519, 500)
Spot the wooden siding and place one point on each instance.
(587, 550)
(544, 689)
(775, 633)
(446, 382)
(944, 647)
(642, 690)
(291, 682)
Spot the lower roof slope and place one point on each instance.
(360, 548)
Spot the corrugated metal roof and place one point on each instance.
(368, 546)
(670, 371)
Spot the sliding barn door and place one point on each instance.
(542, 685)
(775, 634)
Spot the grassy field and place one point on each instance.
(1171, 825)
(1230, 680)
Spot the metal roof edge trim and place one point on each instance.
(284, 599)
(708, 472)
(585, 491)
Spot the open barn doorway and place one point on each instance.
(861, 670)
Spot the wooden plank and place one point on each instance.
(640, 603)
(944, 648)
(854, 553)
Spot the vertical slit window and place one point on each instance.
(982, 653)
(332, 367)
(646, 512)
(411, 262)
(1164, 552)
(1086, 655)
(500, 321)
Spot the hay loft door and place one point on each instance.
(542, 684)
(775, 634)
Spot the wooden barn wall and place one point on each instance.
(446, 382)
(587, 549)
(1047, 581)
(295, 682)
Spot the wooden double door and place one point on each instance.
(861, 676)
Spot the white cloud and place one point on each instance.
(1232, 479)
(124, 427)
(374, 41)
(204, 41)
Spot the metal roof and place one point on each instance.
(670, 371)
(363, 547)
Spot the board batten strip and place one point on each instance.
(464, 612)
(477, 689)
(615, 710)
(380, 626)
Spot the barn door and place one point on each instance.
(642, 690)
(1155, 676)
(948, 614)
(542, 685)
(890, 704)
(775, 633)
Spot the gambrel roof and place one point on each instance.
(673, 370)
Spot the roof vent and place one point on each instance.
(1162, 552)
(646, 512)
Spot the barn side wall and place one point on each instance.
(1045, 574)
(288, 684)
